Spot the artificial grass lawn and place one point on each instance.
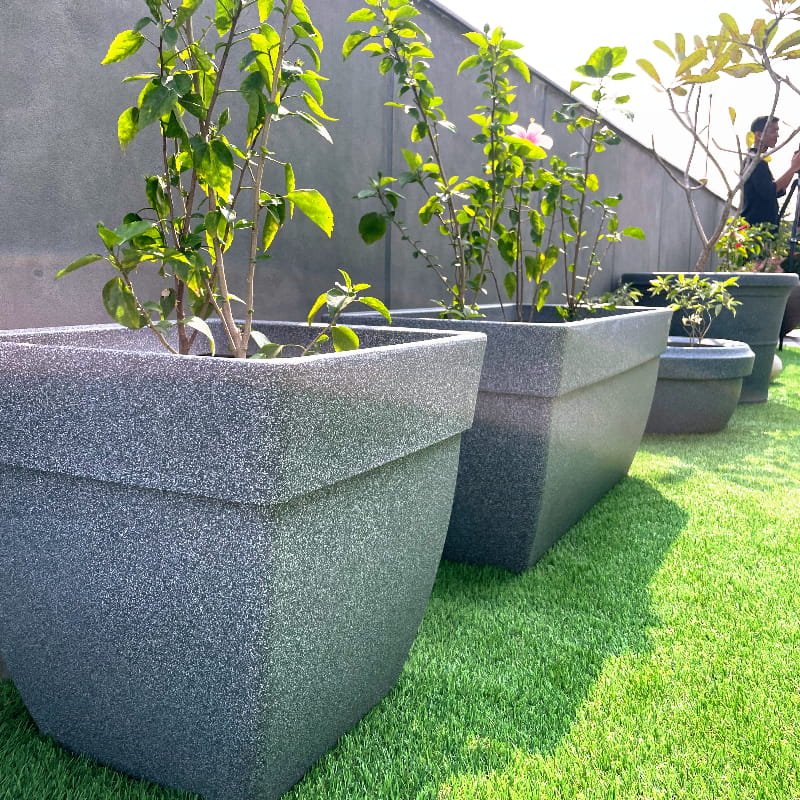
(653, 653)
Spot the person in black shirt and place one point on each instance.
(761, 191)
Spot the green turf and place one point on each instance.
(653, 653)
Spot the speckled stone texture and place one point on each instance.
(698, 388)
(561, 412)
(757, 321)
(213, 617)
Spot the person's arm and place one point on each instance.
(784, 180)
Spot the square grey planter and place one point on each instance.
(757, 322)
(561, 412)
(212, 568)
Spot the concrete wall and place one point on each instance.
(61, 169)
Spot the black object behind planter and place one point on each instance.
(757, 322)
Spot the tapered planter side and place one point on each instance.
(560, 414)
(214, 619)
(698, 388)
(757, 321)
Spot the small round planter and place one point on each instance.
(757, 321)
(698, 388)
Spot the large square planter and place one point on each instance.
(757, 322)
(561, 412)
(698, 387)
(212, 568)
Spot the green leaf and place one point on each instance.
(648, 69)
(362, 15)
(792, 40)
(125, 44)
(80, 262)
(131, 230)
(510, 284)
(730, 24)
(376, 304)
(353, 41)
(222, 18)
(127, 126)
(265, 9)
(272, 224)
(521, 67)
(121, 305)
(691, 61)
(318, 303)
(743, 70)
(468, 63)
(344, 338)
(314, 206)
(316, 125)
(634, 233)
(201, 326)
(155, 101)
(372, 227)
(185, 11)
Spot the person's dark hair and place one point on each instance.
(759, 123)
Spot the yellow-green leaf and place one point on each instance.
(691, 61)
(314, 206)
(649, 70)
(665, 47)
(344, 338)
(125, 44)
(127, 126)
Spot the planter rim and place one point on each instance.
(138, 418)
(787, 279)
(714, 359)
(528, 358)
(430, 311)
(38, 337)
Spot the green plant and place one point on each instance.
(699, 300)
(768, 46)
(567, 198)
(529, 216)
(211, 186)
(741, 244)
(469, 211)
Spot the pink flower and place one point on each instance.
(534, 133)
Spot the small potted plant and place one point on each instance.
(213, 567)
(699, 379)
(529, 467)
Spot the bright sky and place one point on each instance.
(561, 35)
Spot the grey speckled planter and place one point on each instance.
(561, 412)
(698, 387)
(757, 322)
(213, 568)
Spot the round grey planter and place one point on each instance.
(561, 412)
(212, 568)
(698, 388)
(757, 321)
